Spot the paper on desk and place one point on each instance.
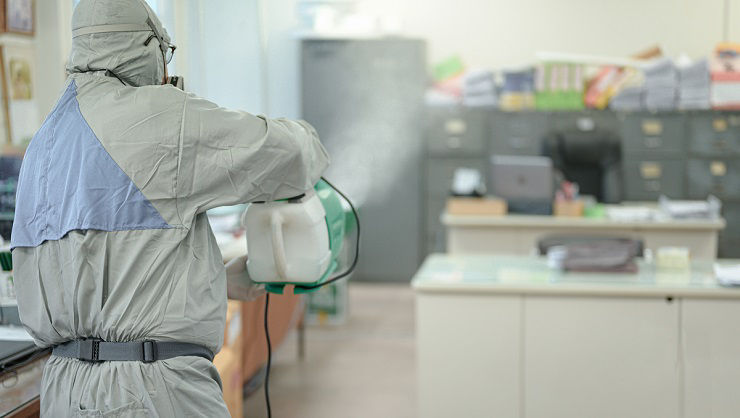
(11, 333)
(727, 275)
(630, 213)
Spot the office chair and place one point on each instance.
(590, 158)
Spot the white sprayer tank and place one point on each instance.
(287, 242)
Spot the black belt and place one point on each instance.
(96, 350)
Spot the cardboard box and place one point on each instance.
(476, 206)
(229, 361)
(570, 208)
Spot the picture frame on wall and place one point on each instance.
(19, 95)
(5, 131)
(19, 16)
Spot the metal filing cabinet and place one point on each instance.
(654, 134)
(718, 176)
(517, 133)
(647, 179)
(714, 134)
(456, 137)
(365, 98)
(653, 154)
(453, 131)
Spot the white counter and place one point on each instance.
(519, 234)
(505, 336)
(524, 275)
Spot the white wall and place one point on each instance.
(504, 33)
(53, 39)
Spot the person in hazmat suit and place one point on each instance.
(115, 263)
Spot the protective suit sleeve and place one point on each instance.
(229, 157)
(238, 284)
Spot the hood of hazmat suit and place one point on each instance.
(111, 238)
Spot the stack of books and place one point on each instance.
(517, 92)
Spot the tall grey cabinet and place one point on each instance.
(365, 99)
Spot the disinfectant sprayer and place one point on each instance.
(300, 241)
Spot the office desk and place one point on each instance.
(519, 234)
(505, 336)
(20, 387)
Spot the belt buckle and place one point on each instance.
(149, 351)
(89, 350)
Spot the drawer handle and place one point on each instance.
(456, 126)
(719, 125)
(652, 127)
(718, 168)
(651, 170)
(720, 143)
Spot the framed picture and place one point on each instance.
(19, 62)
(19, 16)
(4, 109)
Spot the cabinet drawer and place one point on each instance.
(714, 134)
(585, 121)
(440, 173)
(456, 131)
(648, 179)
(518, 133)
(720, 177)
(655, 134)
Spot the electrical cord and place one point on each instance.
(269, 358)
(357, 247)
(332, 280)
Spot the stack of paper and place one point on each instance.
(479, 89)
(727, 275)
(694, 85)
(661, 85)
(629, 98)
(691, 209)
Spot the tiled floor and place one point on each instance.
(365, 368)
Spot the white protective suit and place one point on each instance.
(111, 238)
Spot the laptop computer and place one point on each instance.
(522, 178)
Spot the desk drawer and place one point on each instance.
(714, 134)
(456, 131)
(440, 172)
(655, 134)
(518, 133)
(720, 177)
(648, 179)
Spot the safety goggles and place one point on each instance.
(168, 49)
